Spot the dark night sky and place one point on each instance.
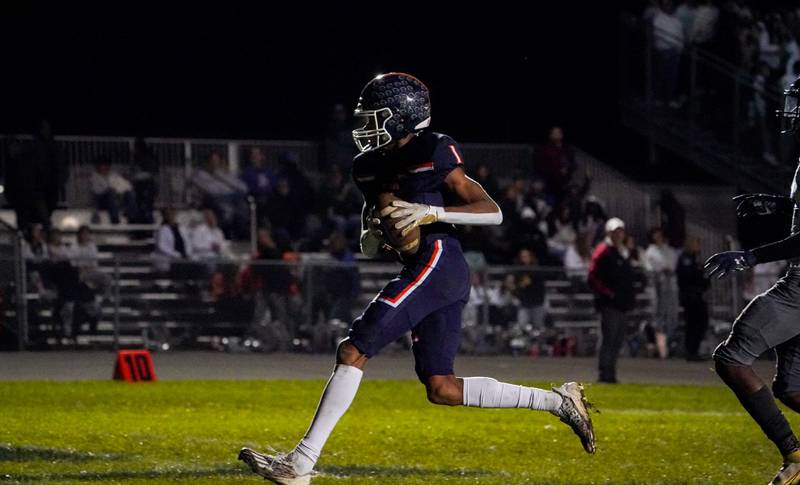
(502, 72)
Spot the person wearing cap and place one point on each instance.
(611, 278)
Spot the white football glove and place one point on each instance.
(411, 215)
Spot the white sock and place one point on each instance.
(336, 398)
(485, 392)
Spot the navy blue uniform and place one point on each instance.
(429, 294)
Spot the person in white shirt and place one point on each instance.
(661, 260)
(208, 241)
(111, 191)
(217, 189)
(173, 241)
(578, 257)
(668, 42)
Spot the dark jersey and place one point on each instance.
(414, 173)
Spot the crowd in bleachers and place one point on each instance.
(67, 276)
(758, 42)
(552, 221)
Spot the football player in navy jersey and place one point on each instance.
(424, 170)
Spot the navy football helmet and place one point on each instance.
(789, 116)
(391, 106)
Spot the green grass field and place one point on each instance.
(190, 432)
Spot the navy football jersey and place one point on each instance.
(414, 173)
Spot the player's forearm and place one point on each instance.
(778, 251)
(480, 213)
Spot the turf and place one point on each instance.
(190, 432)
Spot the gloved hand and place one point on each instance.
(721, 264)
(411, 215)
(372, 238)
(751, 205)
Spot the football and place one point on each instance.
(407, 244)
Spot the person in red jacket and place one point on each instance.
(611, 278)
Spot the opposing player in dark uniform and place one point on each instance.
(771, 320)
(424, 170)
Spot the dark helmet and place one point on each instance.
(391, 106)
(789, 116)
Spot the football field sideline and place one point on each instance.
(189, 365)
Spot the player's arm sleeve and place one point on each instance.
(777, 251)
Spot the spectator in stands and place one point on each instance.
(287, 216)
(64, 277)
(260, 179)
(57, 248)
(593, 219)
(34, 247)
(208, 241)
(556, 163)
(527, 232)
(539, 200)
(692, 286)
(303, 192)
(635, 253)
(476, 312)
(668, 45)
(503, 304)
(173, 241)
(611, 278)
(578, 257)
(86, 257)
(34, 252)
(340, 202)
(529, 290)
(660, 260)
(219, 190)
(488, 181)
(561, 231)
(145, 171)
(337, 142)
(111, 192)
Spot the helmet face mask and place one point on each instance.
(789, 116)
(391, 106)
(373, 133)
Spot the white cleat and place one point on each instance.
(574, 412)
(788, 475)
(277, 469)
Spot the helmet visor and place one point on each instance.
(372, 134)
